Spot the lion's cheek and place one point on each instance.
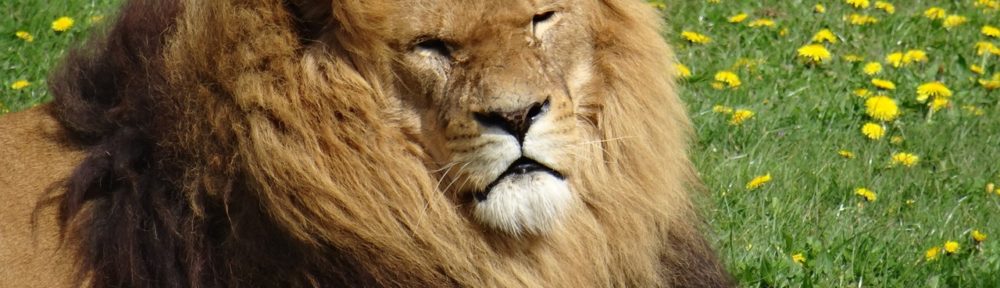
(533, 203)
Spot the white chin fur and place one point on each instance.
(531, 203)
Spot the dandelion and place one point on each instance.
(846, 154)
(819, 8)
(863, 93)
(976, 69)
(983, 47)
(991, 84)
(932, 254)
(853, 58)
(913, 56)
(953, 21)
(737, 18)
(764, 22)
(990, 31)
(62, 24)
(882, 108)
(728, 78)
(715, 1)
(935, 13)
(798, 258)
(20, 84)
(951, 247)
(814, 53)
(824, 35)
(991, 4)
(783, 32)
(758, 181)
(860, 4)
(885, 6)
(896, 140)
(861, 20)
(739, 116)
(721, 109)
(869, 195)
(24, 35)
(905, 159)
(977, 236)
(932, 89)
(895, 59)
(695, 37)
(884, 84)
(873, 131)
(682, 70)
(939, 103)
(872, 68)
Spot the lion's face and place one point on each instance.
(495, 86)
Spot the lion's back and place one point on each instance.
(33, 159)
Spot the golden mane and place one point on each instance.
(253, 143)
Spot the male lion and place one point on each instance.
(309, 143)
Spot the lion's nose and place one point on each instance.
(514, 122)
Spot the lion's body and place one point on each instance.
(301, 143)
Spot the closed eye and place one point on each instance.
(433, 47)
(541, 22)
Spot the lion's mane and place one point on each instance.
(226, 148)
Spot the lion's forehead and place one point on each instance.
(465, 20)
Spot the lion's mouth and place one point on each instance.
(521, 166)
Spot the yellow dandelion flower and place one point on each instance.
(863, 93)
(861, 20)
(62, 24)
(20, 84)
(882, 108)
(721, 109)
(860, 4)
(896, 140)
(783, 32)
(951, 247)
(846, 154)
(872, 68)
(737, 18)
(715, 1)
(695, 37)
(977, 236)
(825, 35)
(983, 47)
(758, 181)
(932, 89)
(718, 85)
(764, 22)
(990, 31)
(939, 103)
(932, 254)
(976, 69)
(819, 8)
(990, 187)
(884, 84)
(952, 21)
(798, 258)
(991, 84)
(24, 35)
(895, 59)
(905, 159)
(885, 6)
(873, 131)
(988, 4)
(814, 53)
(869, 195)
(729, 78)
(853, 58)
(935, 13)
(682, 71)
(914, 55)
(739, 116)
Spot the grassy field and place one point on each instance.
(796, 120)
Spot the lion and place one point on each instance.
(345, 143)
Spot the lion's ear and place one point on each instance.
(311, 16)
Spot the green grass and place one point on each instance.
(803, 116)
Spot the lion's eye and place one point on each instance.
(433, 47)
(542, 22)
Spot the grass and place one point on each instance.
(803, 115)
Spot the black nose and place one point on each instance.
(514, 122)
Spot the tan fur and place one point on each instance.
(345, 143)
